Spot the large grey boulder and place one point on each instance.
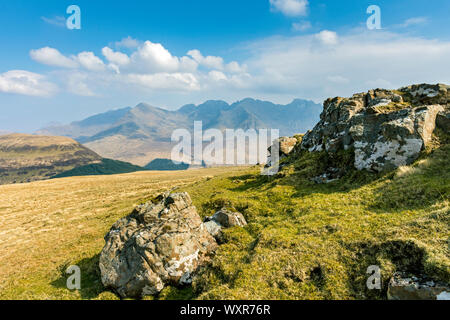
(386, 129)
(409, 287)
(158, 244)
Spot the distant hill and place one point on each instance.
(25, 158)
(166, 165)
(105, 167)
(143, 133)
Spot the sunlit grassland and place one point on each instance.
(303, 240)
(48, 225)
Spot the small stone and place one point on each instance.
(223, 219)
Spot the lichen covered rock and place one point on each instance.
(409, 287)
(224, 219)
(158, 244)
(386, 129)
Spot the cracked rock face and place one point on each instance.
(158, 244)
(386, 129)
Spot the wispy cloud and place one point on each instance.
(301, 26)
(414, 21)
(58, 21)
(26, 83)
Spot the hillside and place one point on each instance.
(303, 241)
(105, 167)
(166, 165)
(306, 238)
(25, 158)
(143, 133)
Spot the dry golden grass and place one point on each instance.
(47, 225)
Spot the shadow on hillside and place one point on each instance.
(302, 185)
(91, 284)
(391, 256)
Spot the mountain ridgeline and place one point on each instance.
(143, 133)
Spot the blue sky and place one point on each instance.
(180, 52)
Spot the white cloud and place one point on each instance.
(167, 81)
(153, 58)
(149, 66)
(209, 61)
(301, 26)
(217, 75)
(117, 58)
(234, 67)
(90, 61)
(327, 37)
(314, 66)
(26, 83)
(216, 63)
(127, 42)
(52, 57)
(291, 8)
(302, 66)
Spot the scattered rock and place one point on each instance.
(332, 174)
(386, 129)
(224, 219)
(286, 146)
(404, 287)
(158, 244)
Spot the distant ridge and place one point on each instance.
(26, 158)
(143, 133)
(166, 165)
(105, 167)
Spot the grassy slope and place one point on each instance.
(303, 241)
(308, 241)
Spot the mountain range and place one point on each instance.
(143, 133)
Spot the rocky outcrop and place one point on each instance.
(386, 129)
(223, 219)
(160, 243)
(404, 287)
